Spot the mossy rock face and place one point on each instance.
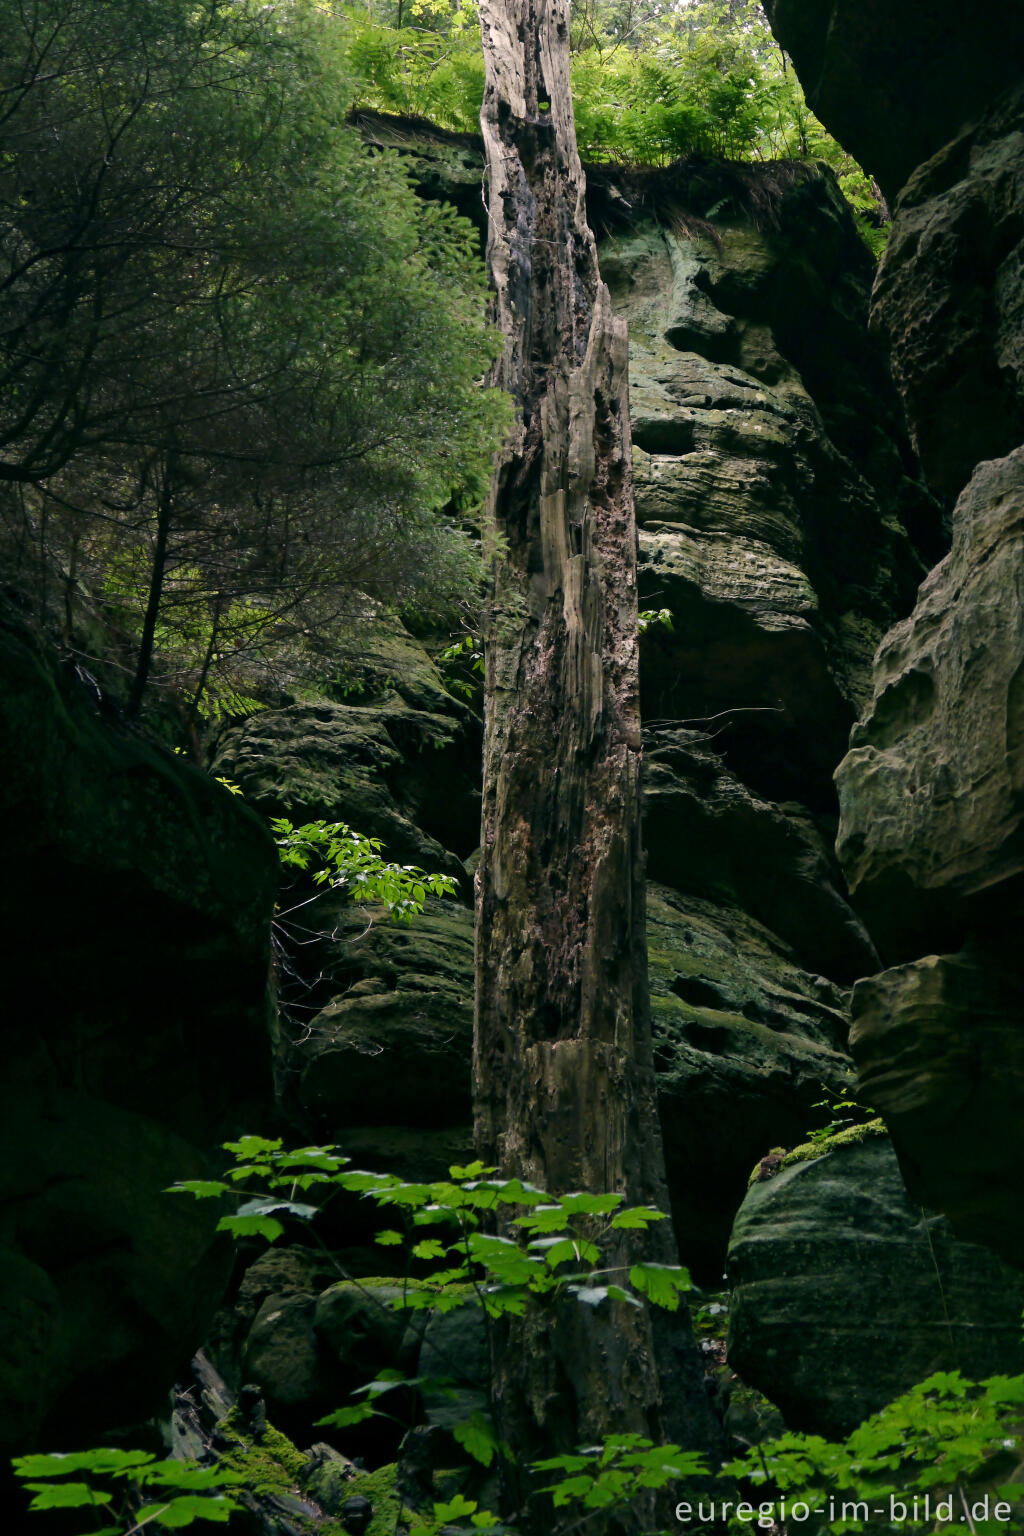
(845, 1293)
(394, 1047)
(380, 1488)
(745, 1045)
(455, 1348)
(149, 1045)
(389, 751)
(711, 836)
(336, 762)
(776, 495)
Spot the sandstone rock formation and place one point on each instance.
(777, 494)
(929, 836)
(845, 1293)
(949, 299)
(894, 82)
(931, 789)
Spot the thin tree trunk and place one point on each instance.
(192, 720)
(156, 589)
(563, 1079)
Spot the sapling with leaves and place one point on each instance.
(557, 1248)
(956, 1443)
(340, 859)
(556, 1252)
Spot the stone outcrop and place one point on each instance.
(743, 1038)
(894, 82)
(940, 1050)
(845, 1293)
(395, 755)
(949, 299)
(930, 835)
(932, 789)
(135, 1060)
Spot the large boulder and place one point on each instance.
(940, 1051)
(136, 906)
(846, 1292)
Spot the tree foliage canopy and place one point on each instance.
(237, 354)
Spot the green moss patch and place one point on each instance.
(809, 1151)
(379, 1488)
(271, 1466)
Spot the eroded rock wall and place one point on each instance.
(930, 836)
(781, 516)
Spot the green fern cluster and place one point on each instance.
(648, 88)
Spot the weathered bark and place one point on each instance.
(563, 1078)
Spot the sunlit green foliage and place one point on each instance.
(651, 83)
(557, 1247)
(132, 1488)
(340, 859)
(958, 1442)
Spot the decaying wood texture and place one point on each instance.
(563, 1077)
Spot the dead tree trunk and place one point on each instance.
(563, 1078)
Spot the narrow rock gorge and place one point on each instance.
(829, 472)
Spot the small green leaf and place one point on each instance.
(471, 1171)
(457, 1509)
(344, 1418)
(59, 1463)
(251, 1226)
(430, 1248)
(189, 1507)
(590, 1295)
(66, 1495)
(203, 1189)
(389, 1238)
(618, 1294)
(252, 1146)
(268, 1206)
(476, 1435)
(660, 1283)
(636, 1218)
(187, 1474)
(326, 1159)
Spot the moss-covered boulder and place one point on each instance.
(845, 1292)
(746, 1046)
